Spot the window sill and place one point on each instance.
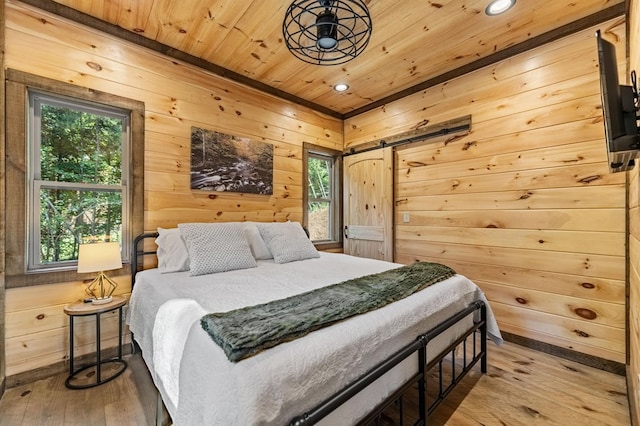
(328, 246)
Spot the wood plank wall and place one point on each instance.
(176, 96)
(634, 240)
(524, 205)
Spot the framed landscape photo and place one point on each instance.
(227, 163)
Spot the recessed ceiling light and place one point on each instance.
(341, 87)
(496, 7)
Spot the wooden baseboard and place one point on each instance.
(590, 360)
(61, 367)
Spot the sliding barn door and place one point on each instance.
(368, 204)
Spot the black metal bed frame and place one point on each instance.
(460, 364)
(420, 346)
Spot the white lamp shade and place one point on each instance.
(99, 257)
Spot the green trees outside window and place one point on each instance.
(78, 194)
(320, 197)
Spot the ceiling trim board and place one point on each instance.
(576, 26)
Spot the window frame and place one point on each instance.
(36, 184)
(316, 151)
(17, 85)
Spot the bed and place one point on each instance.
(344, 373)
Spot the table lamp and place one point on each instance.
(99, 257)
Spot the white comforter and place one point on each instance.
(200, 386)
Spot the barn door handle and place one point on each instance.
(346, 231)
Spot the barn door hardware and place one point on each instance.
(455, 129)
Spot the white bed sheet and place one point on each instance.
(200, 386)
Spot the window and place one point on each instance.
(77, 178)
(75, 174)
(320, 206)
(323, 195)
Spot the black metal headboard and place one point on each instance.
(139, 251)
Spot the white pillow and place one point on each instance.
(287, 241)
(216, 247)
(172, 253)
(258, 246)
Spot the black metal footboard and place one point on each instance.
(459, 369)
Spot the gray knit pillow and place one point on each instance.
(287, 241)
(216, 247)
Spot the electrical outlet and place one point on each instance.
(405, 217)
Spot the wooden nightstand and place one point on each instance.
(110, 368)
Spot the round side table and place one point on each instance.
(113, 366)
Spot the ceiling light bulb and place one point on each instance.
(497, 7)
(327, 43)
(341, 87)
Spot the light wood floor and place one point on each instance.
(522, 387)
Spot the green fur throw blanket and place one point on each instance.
(244, 332)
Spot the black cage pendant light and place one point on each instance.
(327, 32)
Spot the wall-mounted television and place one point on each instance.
(619, 110)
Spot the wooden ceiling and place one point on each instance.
(415, 43)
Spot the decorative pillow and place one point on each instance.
(172, 253)
(258, 246)
(287, 241)
(216, 247)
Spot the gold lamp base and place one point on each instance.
(101, 289)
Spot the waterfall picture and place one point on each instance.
(222, 162)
